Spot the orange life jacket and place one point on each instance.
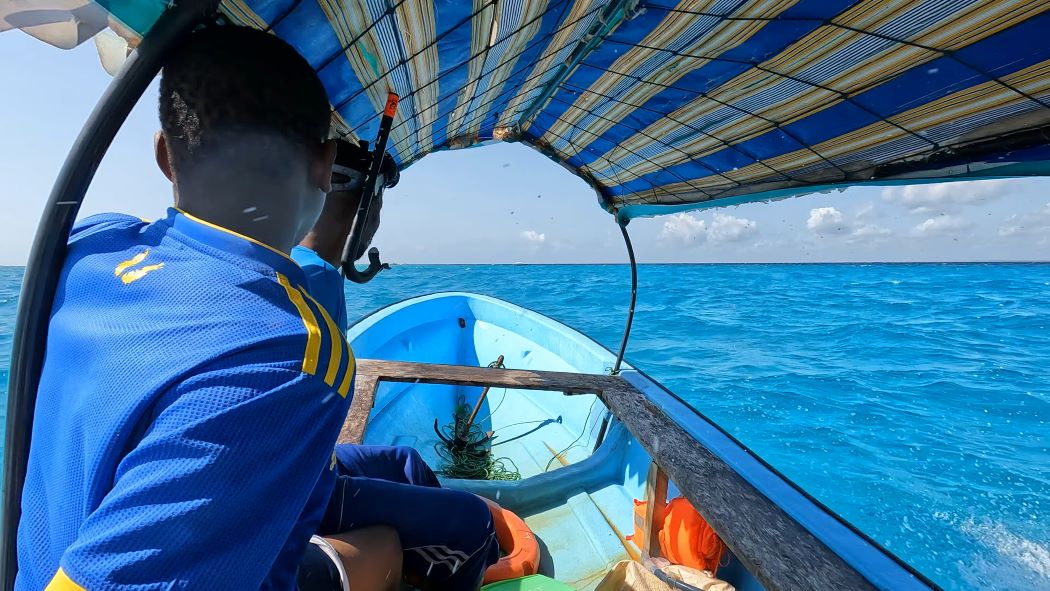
(687, 539)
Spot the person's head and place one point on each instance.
(348, 176)
(244, 128)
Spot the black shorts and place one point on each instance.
(320, 569)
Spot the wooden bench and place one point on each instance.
(372, 371)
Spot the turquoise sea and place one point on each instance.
(914, 400)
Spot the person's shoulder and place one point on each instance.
(307, 258)
(104, 221)
(264, 321)
(324, 282)
(310, 335)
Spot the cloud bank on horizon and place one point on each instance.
(963, 221)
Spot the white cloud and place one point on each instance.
(826, 220)
(684, 229)
(867, 211)
(941, 196)
(687, 230)
(831, 221)
(727, 228)
(1036, 221)
(869, 232)
(943, 224)
(534, 237)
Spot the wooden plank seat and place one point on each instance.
(372, 371)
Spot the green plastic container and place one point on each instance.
(529, 583)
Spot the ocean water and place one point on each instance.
(914, 400)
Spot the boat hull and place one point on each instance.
(577, 492)
(583, 466)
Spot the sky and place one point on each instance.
(506, 203)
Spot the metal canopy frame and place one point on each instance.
(49, 251)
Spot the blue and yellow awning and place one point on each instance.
(667, 106)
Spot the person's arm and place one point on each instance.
(328, 236)
(208, 497)
(324, 283)
(320, 253)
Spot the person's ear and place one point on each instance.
(160, 151)
(321, 166)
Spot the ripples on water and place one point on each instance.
(911, 399)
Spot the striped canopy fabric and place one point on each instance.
(665, 106)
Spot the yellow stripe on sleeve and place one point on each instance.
(344, 387)
(62, 582)
(313, 331)
(337, 342)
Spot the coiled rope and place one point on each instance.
(462, 445)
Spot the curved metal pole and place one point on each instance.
(49, 249)
(634, 296)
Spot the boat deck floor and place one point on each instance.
(527, 435)
(578, 542)
(549, 448)
(581, 534)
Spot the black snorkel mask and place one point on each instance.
(351, 169)
(373, 172)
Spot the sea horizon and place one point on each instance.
(709, 263)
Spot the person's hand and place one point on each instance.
(338, 217)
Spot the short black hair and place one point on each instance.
(227, 79)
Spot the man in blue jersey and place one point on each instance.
(193, 387)
(448, 537)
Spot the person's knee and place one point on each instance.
(409, 454)
(483, 513)
(477, 518)
(388, 543)
(372, 557)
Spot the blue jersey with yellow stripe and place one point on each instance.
(191, 395)
(326, 283)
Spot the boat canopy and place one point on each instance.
(665, 106)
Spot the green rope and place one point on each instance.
(572, 445)
(473, 461)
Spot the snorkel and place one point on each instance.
(373, 186)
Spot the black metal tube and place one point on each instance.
(602, 431)
(634, 296)
(49, 250)
(673, 582)
(371, 189)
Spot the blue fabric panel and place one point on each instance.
(453, 30)
(999, 55)
(917, 86)
(549, 25)
(271, 10)
(619, 113)
(773, 37)
(317, 44)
